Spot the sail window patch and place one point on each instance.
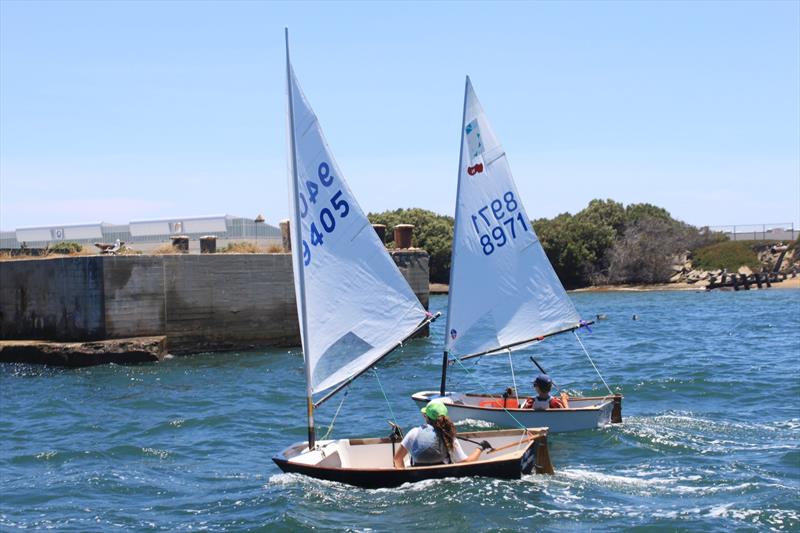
(340, 354)
(474, 141)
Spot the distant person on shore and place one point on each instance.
(434, 442)
(542, 385)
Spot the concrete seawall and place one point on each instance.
(207, 302)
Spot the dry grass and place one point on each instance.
(274, 249)
(166, 249)
(242, 248)
(82, 251)
(129, 251)
(6, 256)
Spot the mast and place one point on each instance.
(297, 249)
(446, 354)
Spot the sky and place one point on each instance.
(120, 111)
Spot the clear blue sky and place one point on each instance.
(120, 111)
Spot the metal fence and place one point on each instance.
(776, 231)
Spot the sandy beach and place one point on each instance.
(789, 283)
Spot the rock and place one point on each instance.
(120, 351)
(676, 277)
(677, 268)
(745, 270)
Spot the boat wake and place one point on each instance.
(677, 431)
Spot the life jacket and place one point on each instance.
(429, 448)
(541, 404)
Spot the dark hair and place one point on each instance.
(445, 430)
(544, 386)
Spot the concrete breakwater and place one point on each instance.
(199, 302)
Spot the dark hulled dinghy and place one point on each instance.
(368, 462)
(355, 308)
(504, 295)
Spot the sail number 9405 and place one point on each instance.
(496, 223)
(327, 220)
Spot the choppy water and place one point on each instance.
(711, 439)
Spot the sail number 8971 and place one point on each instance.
(327, 220)
(498, 220)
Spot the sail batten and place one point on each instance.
(353, 302)
(503, 290)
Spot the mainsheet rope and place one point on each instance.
(375, 370)
(333, 421)
(590, 360)
(347, 391)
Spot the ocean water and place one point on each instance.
(710, 439)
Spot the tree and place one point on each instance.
(575, 245)
(643, 254)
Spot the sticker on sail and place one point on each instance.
(453, 334)
(475, 169)
(474, 141)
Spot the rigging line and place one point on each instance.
(513, 378)
(594, 365)
(457, 384)
(469, 374)
(375, 371)
(333, 420)
(520, 424)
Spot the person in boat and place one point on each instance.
(543, 384)
(434, 442)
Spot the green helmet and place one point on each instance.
(434, 409)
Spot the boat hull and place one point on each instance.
(520, 453)
(589, 413)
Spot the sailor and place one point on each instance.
(434, 442)
(542, 384)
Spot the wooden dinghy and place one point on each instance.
(504, 295)
(355, 308)
(582, 413)
(368, 463)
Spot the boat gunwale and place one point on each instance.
(516, 455)
(420, 396)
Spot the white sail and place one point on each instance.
(357, 304)
(503, 289)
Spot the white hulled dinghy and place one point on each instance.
(504, 294)
(355, 308)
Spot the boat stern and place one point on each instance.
(616, 411)
(536, 458)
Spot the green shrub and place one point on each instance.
(729, 254)
(65, 247)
